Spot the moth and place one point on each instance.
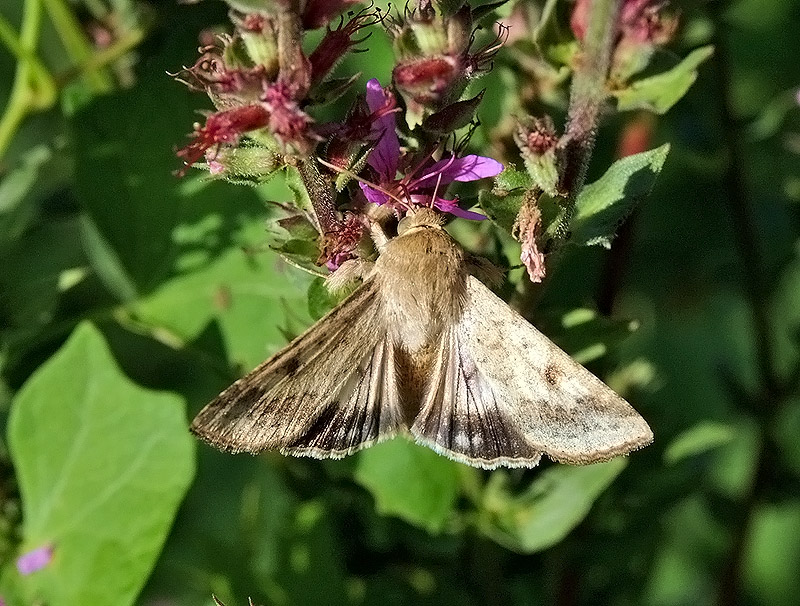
(423, 347)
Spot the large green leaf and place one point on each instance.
(246, 294)
(410, 481)
(555, 503)
(102, 465)
(660, 92)
(603, 205)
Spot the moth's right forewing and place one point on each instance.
(326, 394)
(560, 408)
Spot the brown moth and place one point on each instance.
(423, 347)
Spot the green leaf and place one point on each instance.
(503, 202)
(602, 206)
(772, 560)
(106, 262)
(248, 296)
(555, 503)
(705, 436)
(102, 465)
(660, 92)
(296, 240)
(410, 482)
(38, 173)
(320, 300)
(295, 184)
(454, 116)
(512, 179)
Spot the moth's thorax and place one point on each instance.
(422, 281)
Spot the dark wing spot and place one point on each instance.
(291, 366)
(552, 374)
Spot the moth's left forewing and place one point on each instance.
(511, 373)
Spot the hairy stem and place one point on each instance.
(587, 98)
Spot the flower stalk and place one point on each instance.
(587, 99)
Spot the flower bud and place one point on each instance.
(259, 38)
(434, 58)
(428, 84)
(243, 163)
(537, 140)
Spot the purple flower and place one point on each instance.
(422, 186)
(35, 560)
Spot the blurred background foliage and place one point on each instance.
(129, 298)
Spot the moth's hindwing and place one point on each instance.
(502, 393)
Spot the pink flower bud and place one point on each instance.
(222, 127)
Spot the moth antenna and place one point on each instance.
(436, 190)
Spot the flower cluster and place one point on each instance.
(436, 58)
(396, 148)
(262, 83)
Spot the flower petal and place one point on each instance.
(373, 195)
(452, 207)
(468, 168)
(385, 156)
(37, 559)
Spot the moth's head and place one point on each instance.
(421, 217)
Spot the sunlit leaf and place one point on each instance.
(410, 482)
(660, 92)
(246, 294)
(556, 501)
(102, 465)
(701, 438)
(602, 206)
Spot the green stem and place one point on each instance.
(78, 47)
(587, 98)
(106, 56)
(33, 86)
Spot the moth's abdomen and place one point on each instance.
(422, 281)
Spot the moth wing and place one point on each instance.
(328, 393)
(502, 393)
